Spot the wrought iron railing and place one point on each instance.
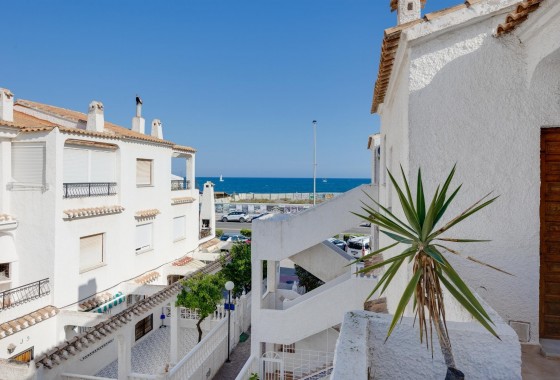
(23, 294)
(89, 189)
(180, 184)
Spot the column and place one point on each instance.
(124, 347)
(174, 333)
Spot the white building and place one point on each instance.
(477, 85)
(89, 213)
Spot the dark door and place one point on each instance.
(550, 234)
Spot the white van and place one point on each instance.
(358, 246)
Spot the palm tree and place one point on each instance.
(424, 246)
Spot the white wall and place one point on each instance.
(472, 102)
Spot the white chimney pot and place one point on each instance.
(408, 10)
(157, 129)
(95, 119)
(6, 105)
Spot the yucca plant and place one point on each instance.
(424, 246)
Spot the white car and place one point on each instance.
(358, 246)
(236, 216)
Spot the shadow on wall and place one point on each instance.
(87, 290)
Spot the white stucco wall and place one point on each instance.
(362, 349)
(475, 101)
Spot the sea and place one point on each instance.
(238, 185)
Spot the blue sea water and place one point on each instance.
(281, 185)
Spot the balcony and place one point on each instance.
(180, 184)
(22, 294)
(89, 189)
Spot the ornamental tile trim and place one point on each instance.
(181, 200)
(147, 278)
(92, 211)
(6, 218)
(147, 214)
(25, 321)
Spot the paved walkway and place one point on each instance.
(238, 358)
(151, 354)
(537, 367)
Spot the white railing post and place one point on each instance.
(124, 348)
(174, 332)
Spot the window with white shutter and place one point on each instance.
(144, 237)
(143, 172)
(179, 228)
(76, 164)
(103, 165)
(83, 165)
(28, 163)
(91, 252)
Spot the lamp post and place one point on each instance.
(314, 162)
(229, 288)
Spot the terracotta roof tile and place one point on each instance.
(182, 261)
(392, 36)
(520, 14)
(111, 130)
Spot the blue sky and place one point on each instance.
(241, 81)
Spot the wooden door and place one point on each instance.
(25, 356)
(550, 234)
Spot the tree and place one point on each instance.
(201, 292)
(238, 267)
(424, 246)
(306, 279)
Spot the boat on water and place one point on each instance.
(324, 180)
(221, 179)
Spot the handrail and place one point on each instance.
(180, 184)
(88, 189)
(16, 296)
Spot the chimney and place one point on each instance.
(409, 10)
(6, 105)
(157, 130)
(95, 118)
(138, 123)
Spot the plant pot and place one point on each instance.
(454, 374)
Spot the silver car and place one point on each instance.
(236, 216)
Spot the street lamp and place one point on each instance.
(314, 162)
(229, 288)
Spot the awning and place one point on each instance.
(119, 298)
(7, 249)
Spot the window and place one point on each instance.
(144, 172)
(91, 252)
(89, 165)
(28, 163)
(4, 272)
(143, 327)
(179, 228)
(144, 237)
(25, 356)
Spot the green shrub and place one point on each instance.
(246, 232)
(219, 233)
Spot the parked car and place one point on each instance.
(339, 243)
(231, 239)
(236, 216)
(358, 246)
